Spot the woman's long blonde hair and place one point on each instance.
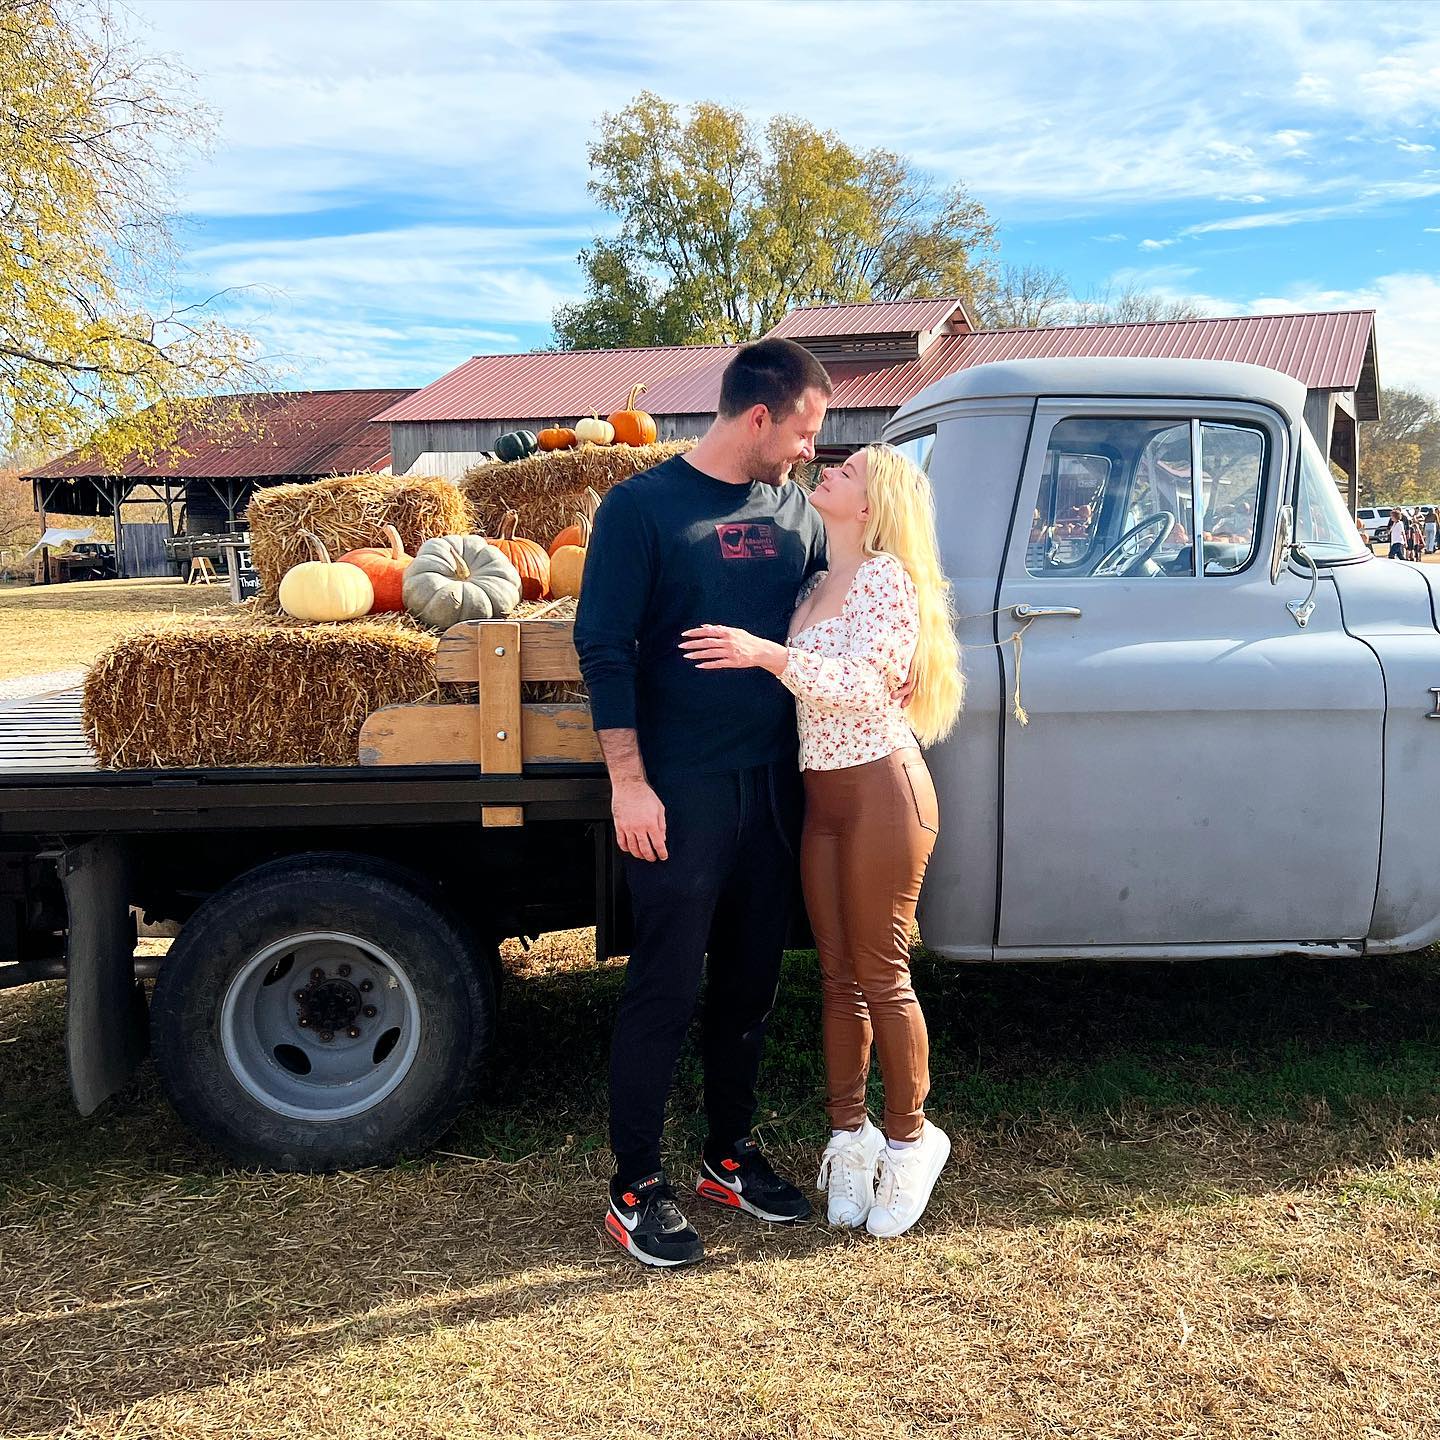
(902, 524)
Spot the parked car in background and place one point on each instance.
(92, 560)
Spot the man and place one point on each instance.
(706, 792)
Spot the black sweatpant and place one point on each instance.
(726, 892)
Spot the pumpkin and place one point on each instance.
(386, 569)
(556, 438)
(567, 564)
(594, 431)
(529, 557)
(571, 535)
(632, 426)
(460, 577)
(516, 444)
(325, 589)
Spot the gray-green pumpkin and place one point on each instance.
(459, 577)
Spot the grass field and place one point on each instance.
(57, 627)
(1188, 1201)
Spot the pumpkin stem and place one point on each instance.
(320, 552)
(462, 570)
(508, 523)
(636, 391)
(397, 546)
(582, 523)
(591, 503)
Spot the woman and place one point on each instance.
(880, 612)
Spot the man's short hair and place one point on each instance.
(772, 373)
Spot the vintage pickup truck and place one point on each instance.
(1229, 751)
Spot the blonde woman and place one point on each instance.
(881, 611)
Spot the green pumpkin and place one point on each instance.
(516, 445)
(459, 577)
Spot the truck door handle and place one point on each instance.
(1044, 612)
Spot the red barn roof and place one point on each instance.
(286, 433)
(1333, 350)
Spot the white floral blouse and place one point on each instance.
(843, 669)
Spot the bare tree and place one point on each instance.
(1025, 297)
(1130, 304)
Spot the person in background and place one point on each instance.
(882, 609)
(1397, 535)
(1414, 538)
(1430, 528)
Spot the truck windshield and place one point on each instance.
(1322, 518)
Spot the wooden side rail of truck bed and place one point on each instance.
(500, 733)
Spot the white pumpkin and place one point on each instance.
(460, 577)
(595, 431)
(325, 589)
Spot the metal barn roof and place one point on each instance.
(1332, 350)
(296, 432)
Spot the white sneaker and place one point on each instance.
(847, 1174)
(906, 1179)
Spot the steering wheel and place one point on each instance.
(1129, 552)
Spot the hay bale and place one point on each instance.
(250, 688)
(346, 512)
(547, 488)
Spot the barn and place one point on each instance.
(878, 355)
(224, 450)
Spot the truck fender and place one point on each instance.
(105, 1030)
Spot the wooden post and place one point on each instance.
(498, 670)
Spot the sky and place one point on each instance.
(401, 183)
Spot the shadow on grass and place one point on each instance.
(1074, 1092)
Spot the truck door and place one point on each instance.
(1198, 770)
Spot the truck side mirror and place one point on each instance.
(1284, 537)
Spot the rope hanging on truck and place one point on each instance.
(1017, 640)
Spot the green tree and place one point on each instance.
(93, 342)
(1400, 452)
(724, 228)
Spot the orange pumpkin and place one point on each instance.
(527, 556)
(632, 426)
(386, 569)
(571, 535)
(567, 564)
(557, 437)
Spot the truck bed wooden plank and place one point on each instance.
(451, 734)
(44, 734)
(547, 651)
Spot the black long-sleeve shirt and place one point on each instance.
(673, 548)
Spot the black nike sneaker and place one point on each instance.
(645, 1220)
(743, 1180)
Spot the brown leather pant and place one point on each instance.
(869, 830)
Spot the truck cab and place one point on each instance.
(1228, 743)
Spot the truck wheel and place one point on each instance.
(322, 1012)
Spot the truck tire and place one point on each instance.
(322, 1012)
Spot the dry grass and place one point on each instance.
(546, 489)
(57, 627)
(1258, 1258)
(346, 512)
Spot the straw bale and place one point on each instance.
(547, 488)
(347, 512)
(251, 688)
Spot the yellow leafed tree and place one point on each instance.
(95, 342)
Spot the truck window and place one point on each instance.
(1110, 485)
(917, 449)
(1322, 518)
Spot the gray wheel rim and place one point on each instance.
(287, 1019)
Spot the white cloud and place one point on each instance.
(1240, 199)
(1112, 238)
(1291, 140)
(1159, 244)
(1411, 148)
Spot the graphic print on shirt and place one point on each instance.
(748, 540)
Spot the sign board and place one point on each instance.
(244, 581)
